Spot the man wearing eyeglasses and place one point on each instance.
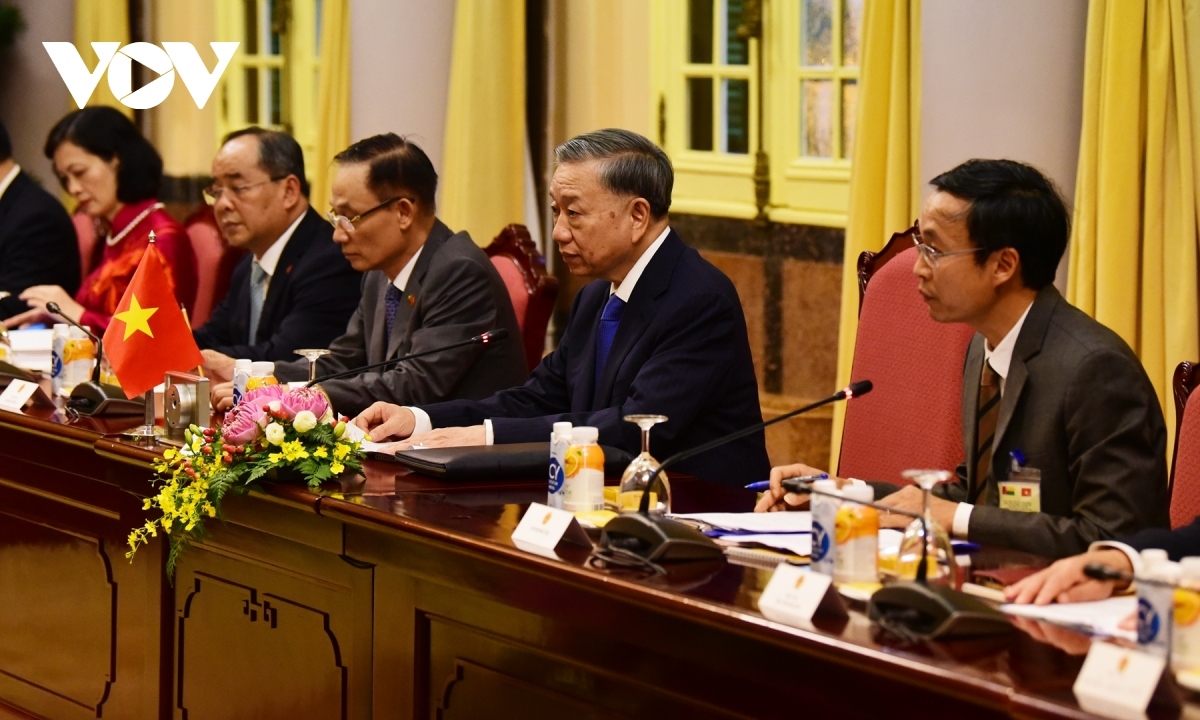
(293, 289)
(423, 287)
(1045, 387)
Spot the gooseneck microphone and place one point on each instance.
(661, 539)
(486, 338)
(94, 397)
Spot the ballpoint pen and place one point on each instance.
(766, 484)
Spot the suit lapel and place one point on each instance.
(1029, 344)
(377, 339)
(972, 368)
(412, 289)
(277, 289)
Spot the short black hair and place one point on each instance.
(1012, 205)
(630, 165)
(279, 155)
(106, 133)
(396, 165)
(5, 143)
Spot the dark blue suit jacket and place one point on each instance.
(37, 243)
(1179, 543)
(310, 299)
(681, 350)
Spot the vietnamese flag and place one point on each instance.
(148, 336)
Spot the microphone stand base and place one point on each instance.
(148, 434)
(934, 612)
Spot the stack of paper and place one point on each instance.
(750, 522)
(1102, 617)
(31, 349)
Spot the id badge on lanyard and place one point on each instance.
(1022, 491)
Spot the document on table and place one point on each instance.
(794, 543)
(750, 522)
(1101, 617)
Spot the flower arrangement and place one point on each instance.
(271, 433)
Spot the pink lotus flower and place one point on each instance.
(241, 425)
(310, 399)
(259, 398)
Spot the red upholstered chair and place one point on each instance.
(215, 261)
(85, 234)
(1185, 469)
(531, 289)
(911, 419)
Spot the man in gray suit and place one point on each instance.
(1045, 387)
(424, 287)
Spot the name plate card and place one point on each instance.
(18, 394)
(1118, 682)
(545, 528)
(794, 595)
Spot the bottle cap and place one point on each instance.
(242, 364)
(861, 493)
(562, 428)
(262, 368)
(77, 334)
(61, 327)
(1153, 556)
(582, 435)
(1168, 571)
(1190, 567)
(829, 486)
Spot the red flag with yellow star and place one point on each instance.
(148, 336)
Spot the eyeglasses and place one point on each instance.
(931, 256)
(347, 224)
(212, 193)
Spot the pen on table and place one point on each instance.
(766, 484)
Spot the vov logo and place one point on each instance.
(165, 60)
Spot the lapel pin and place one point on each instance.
(412, 300)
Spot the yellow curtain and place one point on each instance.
(101, 21)
(884, 176)
(333, 97)
(483, 181)
(1133, 251)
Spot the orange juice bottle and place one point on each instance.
(856, 537)
(583, 475)
(261, 373)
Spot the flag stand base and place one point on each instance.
(148, 432)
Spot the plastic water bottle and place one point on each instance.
(583, 472)
(58, 344)
(262, 373)
(824, 518)
(856, 537)
(241, 375)
(560, 440)
(1156, 606)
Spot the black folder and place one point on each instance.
(517, 461)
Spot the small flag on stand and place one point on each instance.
(148, 336)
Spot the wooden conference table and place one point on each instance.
(403, 597)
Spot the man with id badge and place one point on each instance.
(1063, 436)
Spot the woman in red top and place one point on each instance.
(114, 174)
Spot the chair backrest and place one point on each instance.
(85, 235)
(1185, 468)
(912, 417)
(531, 289)
(215, 261)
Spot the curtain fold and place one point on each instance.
(1133, 255)
(885, 162)
(333, 97)
(101, 21)
(483, 180)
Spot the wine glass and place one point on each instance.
(641, 473)
(312, 355)
(925, 540)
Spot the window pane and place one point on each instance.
(700, 31)
(736, 50)
(816, 114)
(250, 13)
(276, 93)
(849, 108)
(736, 112)
(252, 95)
(816, 33)
(851, 32)
(700, 113)
(275, 23)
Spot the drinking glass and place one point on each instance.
(641, 473)
(312, 355)
(926, 538)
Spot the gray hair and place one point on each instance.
(629, 165)
(279, 155)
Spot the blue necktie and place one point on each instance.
(610, 319)
(391, 302)
(258, 294)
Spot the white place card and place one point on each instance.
(1117, 682)
(17, 394)
(545, 527)
(794, 595)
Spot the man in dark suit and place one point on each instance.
(37, 239)
(660, 331)
(293, 289)
(1044, 386)
(424, 287)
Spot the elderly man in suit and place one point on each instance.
(660, 330)
(1044, 386)
(424, 287)
(293, 289)
(37, 239)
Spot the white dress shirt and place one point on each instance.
(1000, 358)
(270, 259)
(401, 280)
(8, 179)
(623, 291)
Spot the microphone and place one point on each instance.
(94, 397)
(486, 338)
(661, 539)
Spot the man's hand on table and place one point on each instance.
(385, 421)
(911, 499)
(218, 366)
(474, 435)
(221, 396)
(1065, 582)
(776, 499)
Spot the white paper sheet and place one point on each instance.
(1101, 617)
(795, 543)
(776, 522)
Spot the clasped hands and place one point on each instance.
(385, 421)
(909, 499)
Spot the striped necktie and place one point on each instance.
(258, 294)
(610, 320)
(985, 427)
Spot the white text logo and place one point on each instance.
(165, 60)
